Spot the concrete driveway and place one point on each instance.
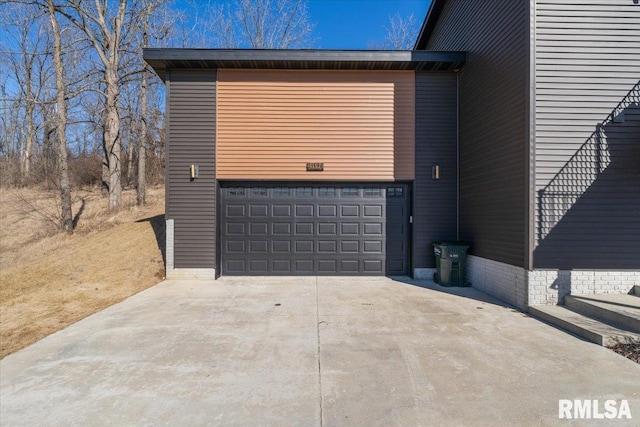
(310, 352)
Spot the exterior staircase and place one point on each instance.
(606, 320)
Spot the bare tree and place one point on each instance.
(401, 34)
(61, 122)
(26, 53)
(141, 188)
(104, 27)
(262, 24)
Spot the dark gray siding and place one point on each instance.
(587, 175)
(434, 206)
(191, 140)
(494, 141)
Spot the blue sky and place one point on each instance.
(352, 24)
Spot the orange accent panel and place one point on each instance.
(270, 124)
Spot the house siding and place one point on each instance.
(191, 100)
(434, 201)
(359, 124)
(494, 143)
(587, 177)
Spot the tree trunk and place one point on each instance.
(61, 124)
(26, 155)
(141, 192)
(130, 150)
(112, 138)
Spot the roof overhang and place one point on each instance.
(166, 59)
(429, 24)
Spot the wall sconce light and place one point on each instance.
(435, 172)
(194, 172)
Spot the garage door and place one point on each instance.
(314, 230)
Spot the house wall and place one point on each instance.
(190, 204)
(587, 175)
(360, 124)
(434, 201)
(494, 139)
(493, 123)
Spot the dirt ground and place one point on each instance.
(49, 280)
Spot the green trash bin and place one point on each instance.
(451, 260)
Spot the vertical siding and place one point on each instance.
(434, 201)
(360, 124)
(191, 140)
(493, 122)
(587, 181)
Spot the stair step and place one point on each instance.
(621, 311)
(583, 326)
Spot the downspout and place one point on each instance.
(458, 156)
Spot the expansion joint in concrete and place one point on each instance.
(319, 360)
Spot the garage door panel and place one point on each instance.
(258, 210)
(349, 246)
(235, 228)
(328, 228)
(281, 228)
(349, 266)
(282, 266)
(235, 266)
(304, 210)
(304, 266)
(304, 228)
(327, 210)
(327, 266)
(281, 246)
(349, 211)
(236, 246)
(373, 228)
(304, 246)
(327, 247)
(282, 210)
(259, 266)
(373, 211)
(373, 266)
(258, 228)
(372, 246)
(350, 228)
(258, 246)
(235, 211)
(300, 229)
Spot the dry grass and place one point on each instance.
(49, 280)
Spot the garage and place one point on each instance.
(314, 229)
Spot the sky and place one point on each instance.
(353, 24)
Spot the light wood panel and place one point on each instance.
(360, 124)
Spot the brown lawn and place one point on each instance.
(50, 280)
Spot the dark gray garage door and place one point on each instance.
(314, 230)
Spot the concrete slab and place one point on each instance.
(310, 351)
(620, 310)
(583, 326)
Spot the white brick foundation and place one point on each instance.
(522, 288)
(169, 244)
(551, 286)
(503, 281)
(191, 274)
(182, 273)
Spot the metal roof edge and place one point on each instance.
(162, 59)
(429, 24)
